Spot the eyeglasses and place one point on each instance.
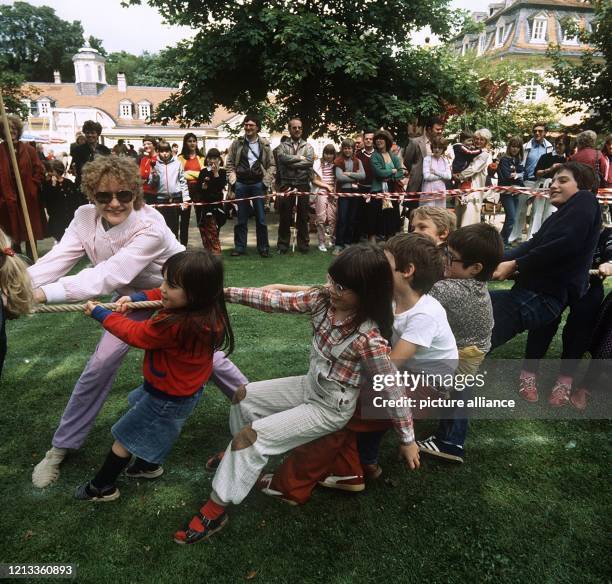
(450, 258)
(105, 197)
(338, 288)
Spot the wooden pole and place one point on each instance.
(22, 199)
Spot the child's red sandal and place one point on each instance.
(200, 527)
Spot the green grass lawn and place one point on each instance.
(527, 506)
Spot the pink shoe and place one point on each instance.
(559, 396)
(528, 389)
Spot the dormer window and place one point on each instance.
(569, 38)
(144, 110)
(500, 33)
(539, 28)
(482, 43)
(531, 89)
(44, 106)
(125, 109)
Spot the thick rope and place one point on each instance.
(81, 307)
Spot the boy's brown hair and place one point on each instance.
(443, 219)
(420, 251)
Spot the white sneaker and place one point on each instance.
(322, 248)
(353, 483)
(47, 470)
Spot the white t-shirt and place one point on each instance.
(426, 325)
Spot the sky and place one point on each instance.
(139, 28)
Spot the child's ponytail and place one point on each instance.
(15, 283)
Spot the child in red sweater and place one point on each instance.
(179, 342)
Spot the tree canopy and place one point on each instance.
(587, 82)
(34, 41)
(338, 65)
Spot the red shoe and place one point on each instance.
(200, 527)
(559, 396)
(579, 399)
(528, 389)
(354, 484)
(213, 462)
(263, 484)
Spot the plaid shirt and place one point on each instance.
(366, 356)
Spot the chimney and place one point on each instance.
(56, 77)
(121, 83)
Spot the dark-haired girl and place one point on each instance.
(210, 185)
(352, 320)
(179, 342)
(510, 173)
(192, 163)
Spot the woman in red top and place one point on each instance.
(147, 162)
(179, 342)
(589, 155)
(31, 171)
(192, 164)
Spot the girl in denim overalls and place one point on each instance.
(352, 320)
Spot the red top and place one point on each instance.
(166, 366)
(145, 171)
(192, 164)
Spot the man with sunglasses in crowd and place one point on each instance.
(251, 170)
(533, 150)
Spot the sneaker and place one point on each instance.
(213, 462)
(235, 253)
(528, 389)
(372, 471)
(140, 473)
(264, 253)
(559, 396)
(322, 248)
(263, 484)
(439, 449)
(47, 470)
(88, 492)
(200, 527)
(579, 399)
(353, 484)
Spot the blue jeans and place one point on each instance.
(345, 221)
(368, 444)
(518, 310)
(244, 207)
(510, 204)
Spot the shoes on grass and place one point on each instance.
(200, 527)
(136, 472)
(528, 389)
(560, 395)
(263, 484)
(434, 447)
(372, 471)
(352, 484)
(88, 492)
(322, 248)
(47, 470)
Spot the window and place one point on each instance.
(43, 107)
(125, 109)
(531, 89)
(100, 73)
(144, 110)
(482, 43)
(567, 37)
(32, 107)
(500, 34)
(538, 30)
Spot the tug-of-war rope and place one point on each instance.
(604, 196)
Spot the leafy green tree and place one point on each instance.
(14, 91)
(338, 65)
(148, 69)
(34, 41)
(586, 83)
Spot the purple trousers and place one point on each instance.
(94, 385)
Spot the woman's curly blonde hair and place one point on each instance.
(121, 168)
(15, 283)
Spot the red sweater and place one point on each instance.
(166, 367)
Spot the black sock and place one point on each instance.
(110, 470)
(143, 465)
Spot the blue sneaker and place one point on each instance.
(439, 449)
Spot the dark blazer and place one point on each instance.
(83, 154)
(414, 153)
